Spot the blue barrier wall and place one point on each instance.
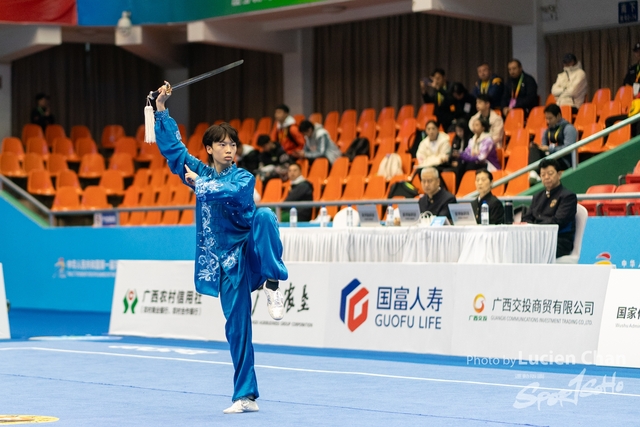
(72, 268)
(612, 240)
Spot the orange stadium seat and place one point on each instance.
(347, 130)
(368, 131)
(39, 183)
(618, 137)
(68, 178)
(550, 100)
(64, 146)
(158, 178)
(586, 115)
(315, 118)
(95, 197)
(164, 199)
(319, 169)
(625, 96)
(567, 113)
(608, 109)
(33, 161)
(600, 99)
(141, 178)
(147, 153)
(127, 145)
(514, 121)
(131, 198)
(517, 185)
(13, 145)
(332, 191)
(263, 128)
(354, 188)
(621, 207)
(518, 159)
(52, 132)
(406, 134)
(234, 123)
(31, 130)
(467, 184)
(633, 177)
(304, 166)
(85, 146)
(425, 113)
(113, 183)
(367, 115)
(272, 191)
(387, 113)
(449, 178)
(79, 131)
(536, 119)
(299, 118)
(331, 124)
(594, 207)
(201, 128)
(406, 111)
(146, 198)
(110, 134)
(56, 163)
(596, 146)
(340, 168)
(39, 146)
(359, 166)
(123, 163)
(66, 199)
(386, 129)
(376, 188)
(91, 166)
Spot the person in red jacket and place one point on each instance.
(286, 132)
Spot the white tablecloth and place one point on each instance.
(532, 244)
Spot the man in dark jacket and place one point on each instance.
(490, 85)
(435, 199)
(438, 91)
(554, 205)
(520, 90)
(301, 190)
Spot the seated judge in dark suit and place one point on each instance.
(554, 205)
(301, 191)
(435, 199)
(484, 179)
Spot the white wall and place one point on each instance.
(5, 101)
(580, 15)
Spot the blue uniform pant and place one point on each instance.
(264, 252)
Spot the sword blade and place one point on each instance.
(153, 95)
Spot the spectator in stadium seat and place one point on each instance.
(480, 152)
(483, 104)
(318, 142)
(434, 150)
(559, 135)
(464, 105)
(520, 90)
(436, 90)
(301, 190)
(41, 114)
(286, 132)
(554, 205)
(489, 84)
(274, 161)
(633, 75)
(459, 142)
(435, 200)
(570, 87)
(247, 158)
(484, 179)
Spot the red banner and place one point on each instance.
(39, 11)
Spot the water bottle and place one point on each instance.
(293, 217)
(324, 217)
(484, 214)
(389, 222)
(349, 216)
(508, 213)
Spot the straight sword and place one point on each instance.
(154, 94)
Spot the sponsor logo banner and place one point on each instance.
(620, 329)
(529, 313)
(4, 318)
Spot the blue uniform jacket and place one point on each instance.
(224, 210)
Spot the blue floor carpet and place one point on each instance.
(144, 382)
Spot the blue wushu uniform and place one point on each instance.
(238, 247)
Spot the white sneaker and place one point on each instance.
(242, 405)
(275, 303)
(534, 178)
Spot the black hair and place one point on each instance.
(517, 61)
(41, 96)
(483, 64)
(484, 98)
(296, 165)
(438, 71)
(283, 107)
(545, 163)
(489, 174)
(305, 125)
(434, 122)
(218, 133)
(485, 124)
(458, 88)
(263, 140)
(553, 109)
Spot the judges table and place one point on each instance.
(493, 244)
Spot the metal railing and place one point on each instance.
(570, 149)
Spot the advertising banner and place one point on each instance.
(534, 314)
(620, 329)
(4, 318)
(158, 299)
(390, 307)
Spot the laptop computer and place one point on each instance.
(462, 214)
